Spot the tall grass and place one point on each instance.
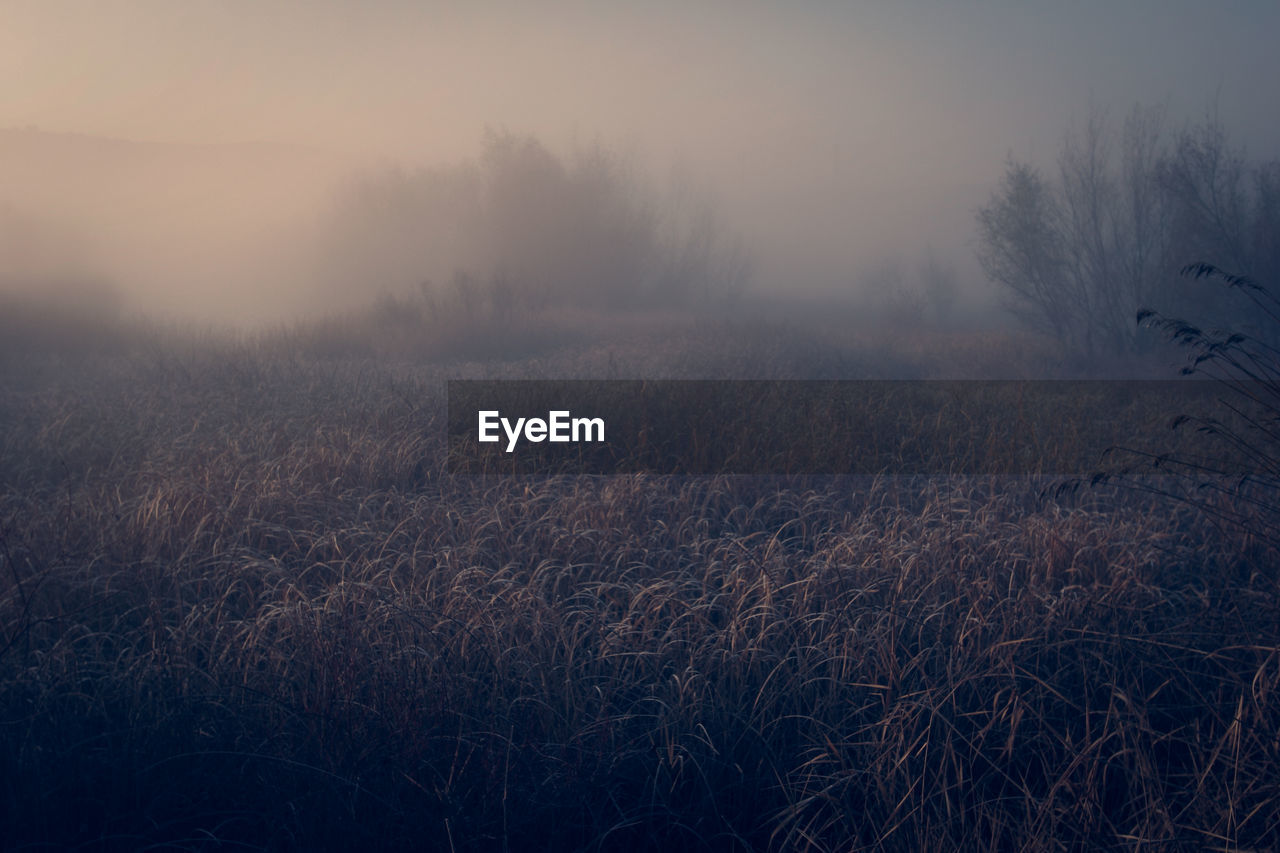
(242, 604)
(1240, 484)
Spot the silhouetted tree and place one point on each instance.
(1224, 208)
(580, 232)
(1077, 254)
(524, 224)
(1021, 250)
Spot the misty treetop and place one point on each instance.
(521, 225)
(1080, 251)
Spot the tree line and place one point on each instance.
(521, 226)
(1080, 250)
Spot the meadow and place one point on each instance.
(245, 604)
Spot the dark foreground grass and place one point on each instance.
(243, 606)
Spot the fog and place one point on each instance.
(192, 159)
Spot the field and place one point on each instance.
(245, 605)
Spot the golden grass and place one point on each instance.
(242, 604)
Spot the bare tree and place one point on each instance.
(1079, 256)
(1226, 210)
(1128, 208)
(1021, 251)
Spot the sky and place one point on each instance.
(829, 132)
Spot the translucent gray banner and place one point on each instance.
(838, 427)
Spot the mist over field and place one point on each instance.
(197, 158)
(301, 546)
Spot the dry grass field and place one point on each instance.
(244, 605)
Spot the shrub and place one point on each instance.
(1240, 483)
(580, 230)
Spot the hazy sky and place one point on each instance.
(825, 126)
(421, 78)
